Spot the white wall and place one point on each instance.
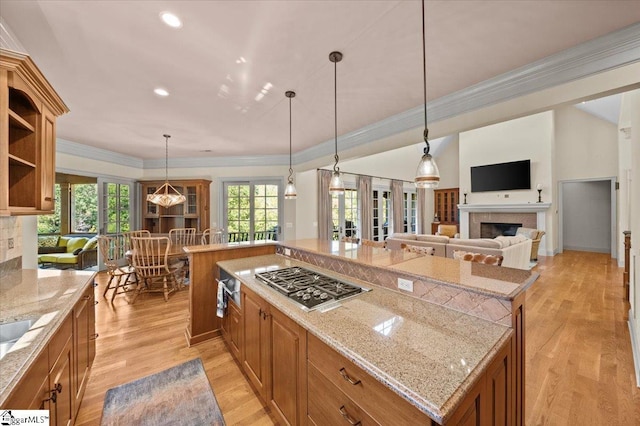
(632, 108)
(586, 216)
(624, 170)
(89, 167)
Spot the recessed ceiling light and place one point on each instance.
(160, 91)
(171, 20)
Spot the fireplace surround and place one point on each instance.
(530, 215)
(495, 229)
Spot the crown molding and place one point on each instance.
(614, 50)
(85, 151)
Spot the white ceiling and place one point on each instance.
(105, 58)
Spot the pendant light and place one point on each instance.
(290, 192)
(336, 186)
(427, 174)
(166, 195)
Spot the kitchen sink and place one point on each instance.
(11, 332)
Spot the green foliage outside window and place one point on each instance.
(50, 223)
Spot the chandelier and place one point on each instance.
(166, 195)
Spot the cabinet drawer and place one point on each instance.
(330, 406)
(385, 406)
(59, 340)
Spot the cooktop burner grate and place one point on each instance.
(308, 288)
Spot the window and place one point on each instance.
(50, 223)
(344, 214)
(381, 214)
(410, 211)
(84, 209)
(252, 210)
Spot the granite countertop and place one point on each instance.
(44, 296)
(443, 351)
(504, 283)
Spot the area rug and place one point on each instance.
(180, 395)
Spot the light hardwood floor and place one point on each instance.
(579, 361)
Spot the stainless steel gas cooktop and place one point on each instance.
(310, 289)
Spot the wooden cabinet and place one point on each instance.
(288, 369)
(84, 343)
(274, 358)
(256, 354)
(28, 110)
(56, 380)
(193, 213)
(360, 392)
(445, 204)
(61, 396)
(232, 329)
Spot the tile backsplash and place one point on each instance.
(10, 236)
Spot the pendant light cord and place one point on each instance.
(290, 169)
(166, 158)
(335, 108)
(424, 76)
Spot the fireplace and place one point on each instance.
(495, 229)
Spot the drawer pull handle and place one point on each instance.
(345, 376)
(58, 387)
(54, 397)
(94, 336)
(348, 418)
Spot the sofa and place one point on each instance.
(68, 251)
(515, 250)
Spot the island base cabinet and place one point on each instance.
(288, 384)
(84, 342)
(491, 400)
(61, 406)
(232, 329)
(255, 354)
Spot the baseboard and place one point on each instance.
(589, 249)
(635, 348)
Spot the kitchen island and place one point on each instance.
(446, 291)
(56, 347)
(428, 355)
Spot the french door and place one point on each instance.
(344, 214)
(115, 208)
(252, 210)
(381, 214)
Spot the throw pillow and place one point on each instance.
(427, 251)
(487, 259)
(77, 251)
(91, 244)
(75, 243)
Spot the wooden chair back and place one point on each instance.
(110, 251)
(372, 243)
(128, 235)
(427, 251)
(212, 236)
(353, 240)
(150, 256)
(183, 236)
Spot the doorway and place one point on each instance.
(587, 216)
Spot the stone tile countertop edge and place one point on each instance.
(42, 295)
(376, 362)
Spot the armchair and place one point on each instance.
(450, 231)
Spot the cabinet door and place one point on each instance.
(61, 382)
(255, 318)
(47, 161)
(235, 329)
(83, 341)
(288, 369)
(31, 392)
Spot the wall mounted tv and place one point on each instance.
(501, 176)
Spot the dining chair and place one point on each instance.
(183, 236)
(212, 236)
(138, 233)
(428, 251)
(117, 268)
(353, 240)
(150, 256)
(372, 243)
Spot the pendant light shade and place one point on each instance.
(166, 195)
(336, 186)
(290, 192)
(427, 174)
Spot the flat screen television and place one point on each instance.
(501, 176)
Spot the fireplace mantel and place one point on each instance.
(540, 209)
(509, 208)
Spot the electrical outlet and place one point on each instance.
(506, 195)
(10, 242)
(406, 285)
(287, 252)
